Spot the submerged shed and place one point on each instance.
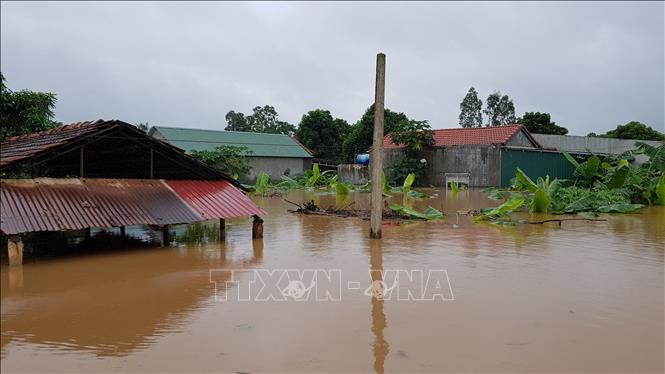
(108, 174)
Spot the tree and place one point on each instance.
(227, 158)
(500, 110)
(540, 123)
(470, 110)
(263, 119)
(416, 135)
(361, 135)
(236, 122)
(25, 111)
(634, 130)
(322, 134)
(143, 126)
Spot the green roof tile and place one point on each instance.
(263, 145)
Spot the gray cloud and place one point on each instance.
(591, 65)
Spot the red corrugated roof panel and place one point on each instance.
(46, 204)
(470, 136)
(215, 199)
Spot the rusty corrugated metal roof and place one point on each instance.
(20, 147)
(47, 204)
(164, 206)
(31, 147)
(215, 199)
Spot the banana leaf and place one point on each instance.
(501, 210)
(619, 208)
(408, 181)
(417, 195)
(618, 178)
(660, 191)
(525, 180)
(262, 183)
(540, 201)
(454, 187)
(316, 174)
(384, 184)
(428, 214)
(571, 159)
(341, 189)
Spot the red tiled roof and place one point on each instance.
(470, 136)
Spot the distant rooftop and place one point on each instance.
(261, 144)
(471, 136)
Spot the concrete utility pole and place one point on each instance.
(376, 215)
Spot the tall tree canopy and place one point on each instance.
(634, 130)
(540, 123)
(25, 111)
(323, 134)
(500, 110)
(263, 119)
(360, 137)
(470, 110)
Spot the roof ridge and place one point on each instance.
(64, 127)
(222, 131)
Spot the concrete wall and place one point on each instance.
(570, 143)
(520, 140)
(482, 162)
(353, 173)
(275, 167)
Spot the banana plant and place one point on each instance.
(543, 191)
(588, 171)
(262, 183)
(316, 174)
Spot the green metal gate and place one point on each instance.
(535, 163)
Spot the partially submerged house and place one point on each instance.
(275, 154)
(488, 155)
(108, 174)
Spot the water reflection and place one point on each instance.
(111, 304)
(379, 322)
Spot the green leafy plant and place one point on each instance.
(316, 174)
(262, 183)
(502, 210)
(229, 159)
(428, 214)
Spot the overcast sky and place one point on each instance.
(591, 65)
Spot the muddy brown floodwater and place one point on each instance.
(587, 296)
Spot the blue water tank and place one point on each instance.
(362, 159)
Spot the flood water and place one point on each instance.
(586, 296)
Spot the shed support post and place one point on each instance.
(88, 234)
(222, 229)
(15, 250)
(123, 234)
(376, 206)
(257, 227)
(165, 236)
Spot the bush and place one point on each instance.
(400, 168)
